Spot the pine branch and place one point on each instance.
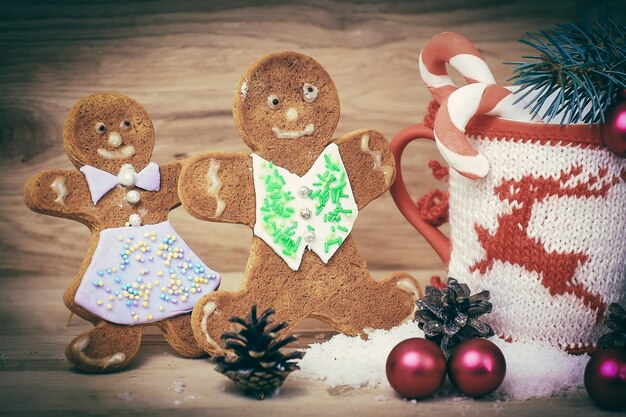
(582, 65)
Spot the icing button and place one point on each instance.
(309, 236)
(127, 175)
(134, 220)
(303, 191)
(133, 197)
(127, 179)
(305, 213)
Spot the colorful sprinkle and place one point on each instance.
(134, 292)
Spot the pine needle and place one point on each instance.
(582, 65)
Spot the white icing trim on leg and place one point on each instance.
(81, 343)
(208, 309)
(407, 285)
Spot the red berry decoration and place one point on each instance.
(477, 367)
(614, 128)
(416, 368)
(605, 378)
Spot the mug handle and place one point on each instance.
(440, 242)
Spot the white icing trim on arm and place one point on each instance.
(215, 185)
(244, 88)
(387, 170)
(58, 185)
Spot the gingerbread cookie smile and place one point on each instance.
(293, 134)
(123, 153)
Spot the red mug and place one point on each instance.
(542, 231)
(537, 211)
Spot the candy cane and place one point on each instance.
(457, 110)
(458, 51)
(458, 105)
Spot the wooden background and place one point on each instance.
(181, 60)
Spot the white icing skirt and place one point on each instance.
(143, 274)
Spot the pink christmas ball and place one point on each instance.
(614, 128)
(416, 368)
(605, 378)
(477, 367)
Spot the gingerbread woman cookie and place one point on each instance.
(137, 270)
(301, 193)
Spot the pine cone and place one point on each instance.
(616, 322)
(451, 315)
(256, 364)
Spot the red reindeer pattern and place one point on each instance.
(511, 243)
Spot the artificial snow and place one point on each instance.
(352, 361)
(533, 369)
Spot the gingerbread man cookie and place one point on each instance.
(301, 193)
(137, 270)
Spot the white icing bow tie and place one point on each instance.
(101, 182)
(315, 211)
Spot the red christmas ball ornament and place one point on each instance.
(605, 378)
(614, 128)
(477, 367)
(416, 368)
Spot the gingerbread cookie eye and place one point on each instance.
(125, 125)
(101, 127)
(309, 92)
(273, 102)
